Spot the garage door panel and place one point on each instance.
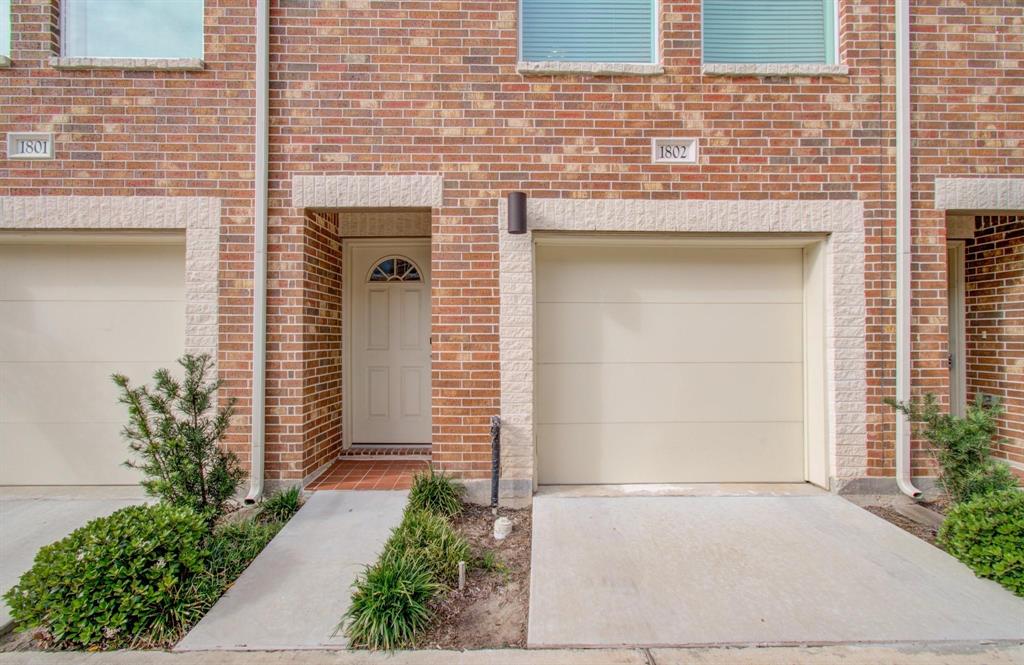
(46, 331)
(610, 393)
(71, 315)
(55, 272)
(669, 332)
(627, 273)
(677, 453)
(64, 454)
(30, 392)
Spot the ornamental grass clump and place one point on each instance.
(430, 538)
(436, 493)
(390, 604)
(280, 507)
(116, 582)
(987, 534)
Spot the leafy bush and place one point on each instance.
(987, 534)
(961, 446)
(281, 506)
(428, 537)
(437, 493)
(113, 581)
(177, 441)
(391, 604)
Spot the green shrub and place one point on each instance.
(109, 583)
(428, 537)
(177, 442)
(390, 604)
(436, 493)
(281, 506)
(961, 446)
(987, 534)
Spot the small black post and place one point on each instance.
(495, 458)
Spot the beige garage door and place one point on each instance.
(662, 363)
(71, 314)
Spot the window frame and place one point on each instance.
(656, 50)
(830, 33)
(64, 21)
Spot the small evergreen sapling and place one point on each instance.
(177, 439)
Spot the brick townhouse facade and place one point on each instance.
(401, 311)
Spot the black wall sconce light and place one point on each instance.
(517, 212)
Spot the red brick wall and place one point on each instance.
(430, 87)
(994, 298)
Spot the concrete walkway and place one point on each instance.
(700, 570)
(295, 592)
(915, 654)
(33, 517)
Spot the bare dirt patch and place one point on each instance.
(922, 531)
(492, 610)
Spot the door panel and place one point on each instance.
(390, 347)
(669, 364)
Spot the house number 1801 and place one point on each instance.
(27, 145)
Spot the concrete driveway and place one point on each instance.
(711, 570)
(33, 517)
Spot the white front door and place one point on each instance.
(390, 341)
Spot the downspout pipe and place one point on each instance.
(903, 246)
(259, 254)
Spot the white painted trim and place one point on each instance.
(845, 352)
(199, 218)
(956, 255)
(346, 319)
(981, 194)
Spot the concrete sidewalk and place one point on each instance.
(31, 517)
(906, 654)
(295, 592)
(699, 570)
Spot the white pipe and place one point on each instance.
(903, 246)
(259, 253)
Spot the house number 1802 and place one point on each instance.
(674, 151)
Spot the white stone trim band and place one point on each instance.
(130, 64)
(846, 361)
(199, 217)
(592, 68)
(773, 69)
(979, 194)
(367, 191)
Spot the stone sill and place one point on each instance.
(744, 69)
(131, 64)
(592, 68)
(5, 61)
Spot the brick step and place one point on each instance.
(387, 452)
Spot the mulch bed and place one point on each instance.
(922, 531)
(492, 610)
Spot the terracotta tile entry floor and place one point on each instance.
(354, 474)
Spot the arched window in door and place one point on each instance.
(394, 269)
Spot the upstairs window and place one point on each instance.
(5, 28)
(621, 31)
(769, 31)
(133, 28)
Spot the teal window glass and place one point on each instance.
(5, 28)
(588, 30)
(133, 28)
(769, 31)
